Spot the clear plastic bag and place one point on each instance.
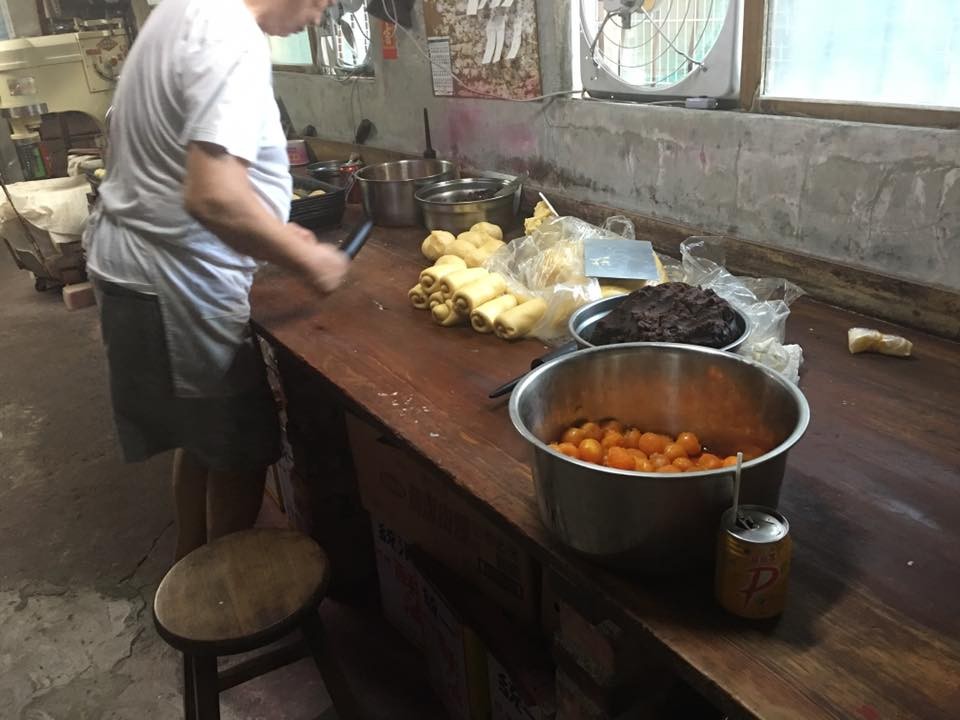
(764, 301)
(548, 264)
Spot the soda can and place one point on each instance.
(753, 562)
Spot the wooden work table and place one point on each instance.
(872, 628)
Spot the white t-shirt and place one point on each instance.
(199, 71)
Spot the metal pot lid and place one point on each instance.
(462, 191)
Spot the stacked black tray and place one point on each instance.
(322, 211)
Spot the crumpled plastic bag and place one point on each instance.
(548, 264)
(764, 301)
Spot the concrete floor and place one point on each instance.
(84, 540)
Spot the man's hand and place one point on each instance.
(323, 266)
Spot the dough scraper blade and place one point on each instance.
(619, 259)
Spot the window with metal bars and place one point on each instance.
(339, 49)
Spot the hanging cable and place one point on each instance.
(662, 34)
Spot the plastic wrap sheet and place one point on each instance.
(548, 264)
(765, 301)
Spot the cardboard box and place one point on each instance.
(456, 658)
(423, 505)
(423, 613)
(400, 583)
(510, 700)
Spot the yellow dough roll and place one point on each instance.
(451, 260)
(484, 317)
(476, 257)
(460, 247)
(473, 237)
(492, 245)
(454, 281)
(611, 290)
(435, 299)
(435, 244)
(487, 228)
(431, 277)
(446, 315)
(418, 297)
(517, 322)
(472, 296)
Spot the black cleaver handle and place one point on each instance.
(559, 351)
(357, 239)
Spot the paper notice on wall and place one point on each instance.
(491, 43)
(473, 6)
(440, 65)
(517, 38)
(506, 3)
(494, 3)
(500, 27)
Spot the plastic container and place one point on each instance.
(297, 152)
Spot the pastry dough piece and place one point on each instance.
(460, 247)
(474, 237)
(484, 317)
(418, 297)
(490, 229)
(611, 290)
(866, 340)
(435, 299)
(451, 260)
(453, 282)
(492, 245)
(541, 213)
(431, 277)
(446, 315)
(472, 296)
(435, 244)
(476, 257)
(517, 322)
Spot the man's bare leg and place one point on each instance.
(190, 501)
(233, 500)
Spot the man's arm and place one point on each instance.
(218, 194)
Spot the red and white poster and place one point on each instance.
(388, 34)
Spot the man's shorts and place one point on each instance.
(236, 430)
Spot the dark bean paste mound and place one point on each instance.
(672, 312)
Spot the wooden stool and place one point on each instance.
(240, 593)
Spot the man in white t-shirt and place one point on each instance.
(197, 191)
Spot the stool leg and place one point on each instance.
(205, 687)
(189, 693)
(344, 701)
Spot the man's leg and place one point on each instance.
(233, 500)
(190, 501)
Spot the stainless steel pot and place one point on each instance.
(585, 318)
(388, 189)
(451, 205)
(655, 522)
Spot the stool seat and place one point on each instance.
(241, 592)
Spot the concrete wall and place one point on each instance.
(886, 198)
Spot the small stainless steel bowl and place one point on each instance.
(585, 318)
(451, 206)
(388, 189)
(651, 521)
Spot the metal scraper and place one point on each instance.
(619, 258)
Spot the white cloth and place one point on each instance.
(199, 71)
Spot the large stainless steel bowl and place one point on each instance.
(585, 318)
(388, 189)
(452, 205)
(649, 521)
